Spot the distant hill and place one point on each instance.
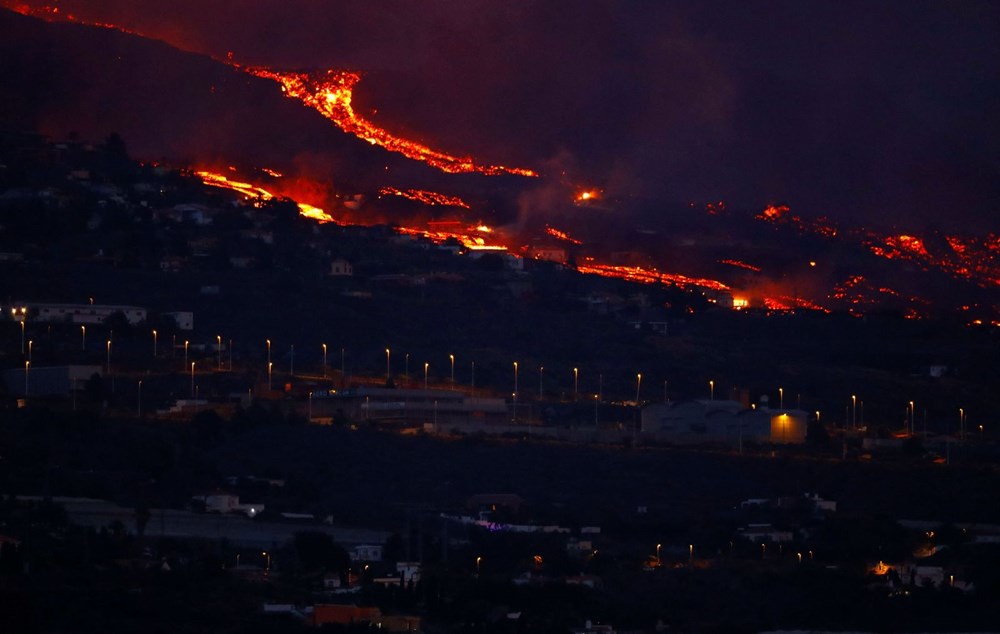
(63, 79)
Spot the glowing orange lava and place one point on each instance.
(651, 276)
(252, 191)
(562, 235)
(425, 197)
(330, 94)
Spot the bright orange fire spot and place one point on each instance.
(252, 191)
(425, 197)
(587, 195)
(562, 235)
(330, 94)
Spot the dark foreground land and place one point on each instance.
(704, 576)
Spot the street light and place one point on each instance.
(387, 367)
(270, 370)
(854, 411)
(426, 367)
(192, 378)
(186, 342)
(218, 344)
(781, 398)
(576, 383)
(324, 360)
(452, 357)
(478, 562)
(154, 344)
(109, 356)
(638, 384)
(961, 423)
(27, 364)
(911, 417)
(310, 406)
(711, 390)
(83, 337)
(541, 375)
(268, 351)
(30, 342)
(658, 554)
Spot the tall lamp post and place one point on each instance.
(541, 375)
(387, 365)
(576, 383)
(426, 368)
(781, 398)
(324, 360)
(452, 357)
(192, 378)
(27, 365)
(154, 344)
(218, 349)
(711, 390)
(854, 411)
(83, 337)
(109, 356)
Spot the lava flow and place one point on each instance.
(252, 191)
(425, 197)
(330, 94)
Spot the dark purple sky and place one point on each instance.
(883, 112)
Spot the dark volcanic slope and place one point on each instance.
(63, 78)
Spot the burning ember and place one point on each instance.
(587, 195)
(425, 197)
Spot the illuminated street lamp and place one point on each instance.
(452, 357)
(576, 383)
(658, 554)
(270, 370)
(479, 561)
(324, 360)
(267, 558)
(911, 417)
(854, 411)
(711, 390)
(268, 351)
(218, 346)
(83, 337)
(406, 367)
(192, 378)
(310, 406)
(515, 377)
(961, 423)
(154, 344)
(426, 368)
(30, 342)
(109, 356)
(781, 398)
(638, 384)
(186, 342)
(387, 366)
(27, 364)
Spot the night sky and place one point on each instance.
(868, 112)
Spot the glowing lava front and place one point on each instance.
(252, 191)
(330, 94)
